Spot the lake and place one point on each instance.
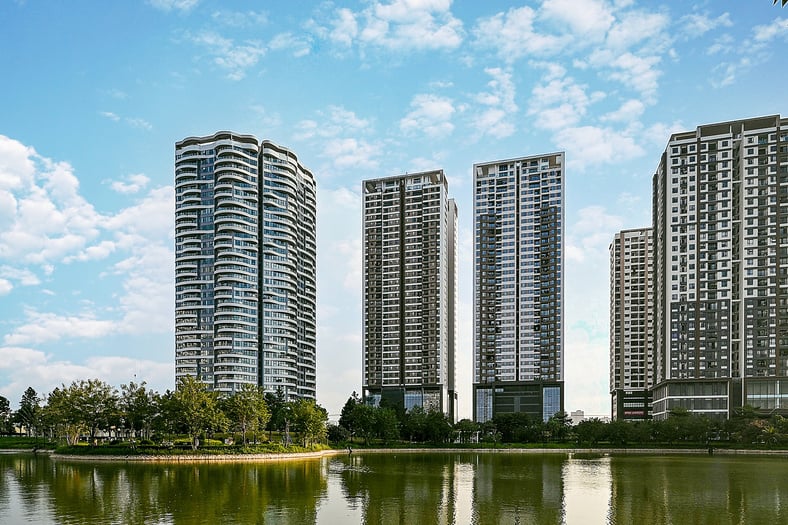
(401, 488)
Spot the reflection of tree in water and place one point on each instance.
(518, 488)
(187, 493)
(24, 471)
(697, 489)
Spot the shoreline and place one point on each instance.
(290, 456)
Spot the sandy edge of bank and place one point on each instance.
(327, 453)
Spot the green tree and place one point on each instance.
(466, 429)
(247, 410)
(197, 408)
(83, 406)
(590, 431)
(309, 420)
(138, 406)
(559, 425)
(364, 421)
(277, 406)
(5, 415)
(388, 425)
(346, 415)
(438, 428)
(29, 412)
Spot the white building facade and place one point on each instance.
(631, 323)
(519, 286)
(721, 268)
(245, 295)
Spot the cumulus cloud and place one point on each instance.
(52, 224)
(592, 21)
(44, 327)
(497, 106)
(352, 153)
(430, 115)
(558, 101)
(402, 25)
(512, 35)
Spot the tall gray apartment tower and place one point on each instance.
(410, 283)
(631, 324)
(244, 265)
(721, 269)
(519, 287)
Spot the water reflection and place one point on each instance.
(400, 488)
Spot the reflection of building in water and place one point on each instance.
(401, 488)
(697, 489)
(410, 282)
(516, 488)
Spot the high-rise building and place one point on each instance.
(244, 265)
(410, 281)
(721, 269)
(519, 287)
(631, 323)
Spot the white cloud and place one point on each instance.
(21, 275)
(594, 145)
(352, 153)
(634, 27)
(299, 46)
(628, 111)
(17, 166)
(169, 5)
(345, 27)
(768, 32)
(591, 21)
(399, 25)
(430, 115)
(698, 24)
(46, 327)
(558, 101)
(27, 367)
(637, 72)
(5, 286)
(512, 35)
(240, 18)
(110, 115)
(133, 183)
(498, 109)
(237, 59)
(331, 122)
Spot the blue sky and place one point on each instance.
(95, 94)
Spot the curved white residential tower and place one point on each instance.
(244, 287)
